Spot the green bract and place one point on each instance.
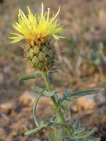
(41, 56)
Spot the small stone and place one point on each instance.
(90, 102)
(27, 98)
(7, 107)
(86, 103)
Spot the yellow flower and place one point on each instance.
(38, 26)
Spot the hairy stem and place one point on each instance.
(57, 107)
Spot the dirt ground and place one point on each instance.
(16, 98)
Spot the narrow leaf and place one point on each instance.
(30, 76)
(87, 92)
(71, 96)
(34, 131)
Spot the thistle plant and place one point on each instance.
(37, 30)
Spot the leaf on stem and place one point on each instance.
(70, 96)
(43, 126)
(30, 76)
(80, 134)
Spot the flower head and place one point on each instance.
(38, 26)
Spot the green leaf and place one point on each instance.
(86, 134)
(71, 96)
(35, 131)
(87, 92)
(30, 76)
(43, 126)
(79, 133)
(35, 108)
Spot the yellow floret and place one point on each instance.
(33, 26)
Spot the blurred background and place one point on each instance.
(83, 53)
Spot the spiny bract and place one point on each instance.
(37, 29)
(40, 56)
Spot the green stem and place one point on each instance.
(57, 107)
